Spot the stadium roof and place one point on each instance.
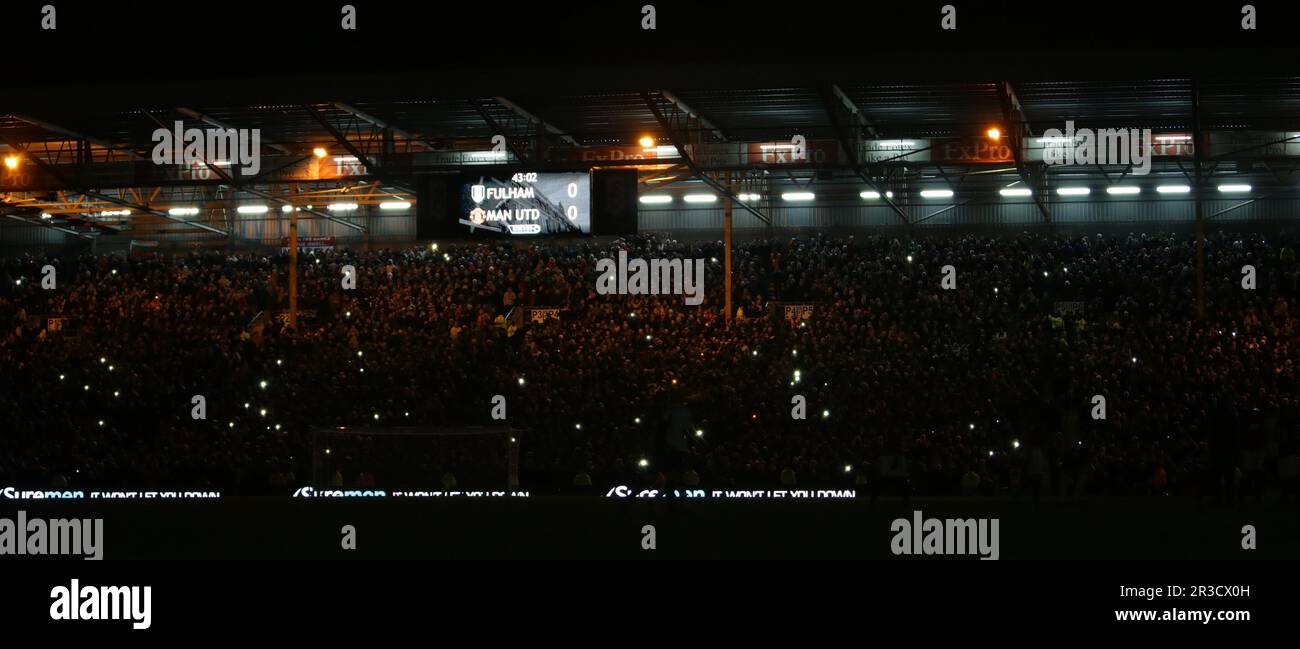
(896, 110)
(706, 99)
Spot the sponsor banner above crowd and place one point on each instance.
(13, 493)
(624, 491)
(333, 492)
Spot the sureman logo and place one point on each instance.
(310, 492)
(216, 146)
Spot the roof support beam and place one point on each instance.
(541, 123)
(55, 128)
(68, 183)
(159, 213)
(347, 108)
(214, 122)
(352, 148)
(855, 114)
(42, 223)
(495, 126)
(671, 172)
(235, 186)
(1018, 130)
(834, 101)
(717, 132)
(683, 151)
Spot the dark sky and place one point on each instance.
(289, 50)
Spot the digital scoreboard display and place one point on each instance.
(526, 203)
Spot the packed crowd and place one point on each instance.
(988, 388)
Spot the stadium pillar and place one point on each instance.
(1200, 258)
(1197, 147)
(293, 270)
(726, 216)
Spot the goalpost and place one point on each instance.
(417, 458)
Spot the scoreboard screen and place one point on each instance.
(526, 203)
